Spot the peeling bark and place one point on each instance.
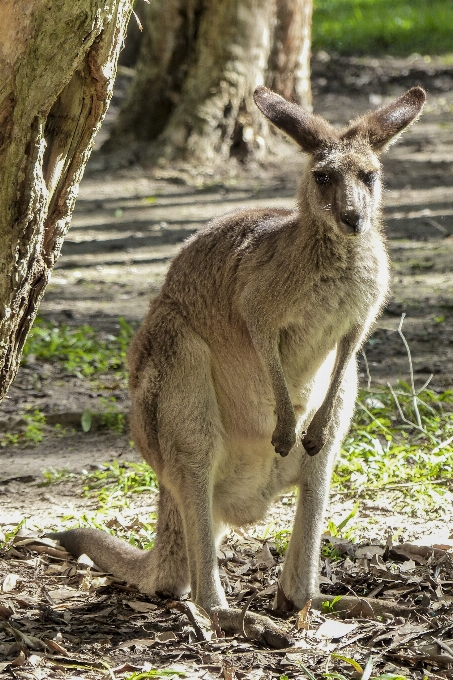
(199, 62)
(57, 67)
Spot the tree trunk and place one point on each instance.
(199, 62)
(57, 66)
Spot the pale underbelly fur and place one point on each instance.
(248, 471)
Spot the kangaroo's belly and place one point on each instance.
(249, 476)
(246, 398)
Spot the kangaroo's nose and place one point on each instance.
(353, 220)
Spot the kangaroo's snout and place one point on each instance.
(353, 221)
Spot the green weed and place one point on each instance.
(398, 27)
(118, 479)
(281, 539)
(29, 429)
(364, 672)
(138, 532)
(82, 351)
(8, 537)
(330, 551)
(400, 444)
(328, 607)
(112, 418)
(53, 476)
(336, 529)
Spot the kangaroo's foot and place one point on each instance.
(255, 626)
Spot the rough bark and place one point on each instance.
(57, 66)
(199, 62)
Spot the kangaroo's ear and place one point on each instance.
(309, 131)
(383, 126)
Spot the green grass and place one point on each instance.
(405, 447)
(377, 27)
(115, 480)
(81, 351)
(111, 486)
(29, 429)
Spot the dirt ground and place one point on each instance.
(128, 224)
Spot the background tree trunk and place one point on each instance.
(57, 66)
(198, 65)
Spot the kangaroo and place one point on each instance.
(243, 375)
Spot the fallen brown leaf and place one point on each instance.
(265, 557)
(55, 647)
(303, 617)
(5, 612)
(19, 660)
(139, 606)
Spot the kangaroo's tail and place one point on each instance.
(110, 554)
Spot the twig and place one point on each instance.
(411, 370)
(362, 406)
(438, 226)
(444, 646)
(417, 426)
(367, 368)
(244, 612)
(139, 23)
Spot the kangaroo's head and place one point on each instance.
(342, 185)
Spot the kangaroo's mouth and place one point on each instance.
(355, 229)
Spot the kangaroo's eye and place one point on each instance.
(321, 178)
(369, 179)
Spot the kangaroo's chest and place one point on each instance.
(330, 309)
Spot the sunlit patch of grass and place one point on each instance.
(110, 487)
(113, 481)
(138, 531)
(53, 476)
(81, 351)
(401, 441)
(387, 448)
(397, 27)
(281, 539)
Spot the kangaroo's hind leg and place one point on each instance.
(191, 443)
(167, 570)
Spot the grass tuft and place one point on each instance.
(81, 351)
(28, 430)
(396, 27)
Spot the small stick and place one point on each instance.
(444, 646)
(244, 612)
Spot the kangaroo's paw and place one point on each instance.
(284, 438)
(315, 438)
(255, 626)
